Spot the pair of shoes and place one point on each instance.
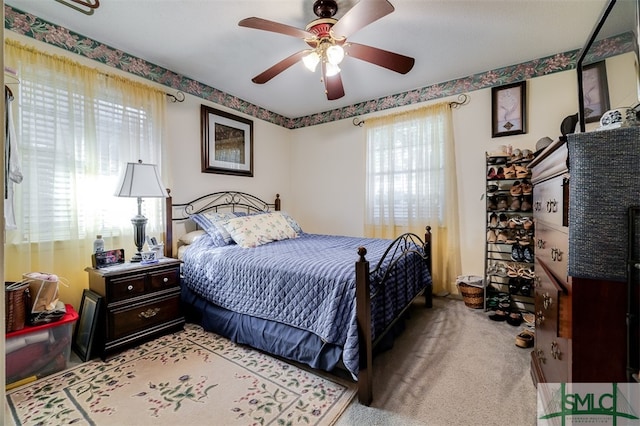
(494, 173)
(521, 253)
(509, 172)
(521, 172)
(520, 285)
(525, 339)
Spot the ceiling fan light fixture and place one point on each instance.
(335, 54)
(311, 60)
(331, 69)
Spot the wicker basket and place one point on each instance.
(16, 305)
(473, 296)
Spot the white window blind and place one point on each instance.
(72, 148)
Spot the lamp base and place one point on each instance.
(136, 258)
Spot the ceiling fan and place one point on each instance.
(327, 39)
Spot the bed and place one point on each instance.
(250, 273)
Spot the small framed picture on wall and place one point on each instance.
(595, 91)
(508, 109)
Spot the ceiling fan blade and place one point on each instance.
(383, 58)
(333, 85)
(275, 27)
(361, 15)
(279, 67)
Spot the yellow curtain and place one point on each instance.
(74, 121)
(411, 183)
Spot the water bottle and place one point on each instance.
(98, 244)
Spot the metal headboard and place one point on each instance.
(223, 200)
(234, 201)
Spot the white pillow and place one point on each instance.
(255, 230)
(191, 237)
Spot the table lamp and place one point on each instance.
(140, 180)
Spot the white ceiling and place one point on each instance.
(449, 39)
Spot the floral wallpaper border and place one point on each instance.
(32, 26)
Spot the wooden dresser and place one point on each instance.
(142, 301)
(580, 260)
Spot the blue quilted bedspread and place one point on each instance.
(307, 282)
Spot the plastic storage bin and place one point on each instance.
(40, 350)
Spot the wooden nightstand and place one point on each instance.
(140, 302)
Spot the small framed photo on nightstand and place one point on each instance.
(106, 258)
(87, 327)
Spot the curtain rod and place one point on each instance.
(463, 99)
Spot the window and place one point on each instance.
(405, 170)
(76, 129)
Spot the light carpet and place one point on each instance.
(451, 366)
(188, 378)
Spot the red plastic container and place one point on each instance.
(40, 350)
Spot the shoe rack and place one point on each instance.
(509, 254)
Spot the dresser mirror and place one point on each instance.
(617, 26)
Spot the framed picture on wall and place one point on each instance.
(227, 143)
(595, 91)
(508, 109)
(87, 326)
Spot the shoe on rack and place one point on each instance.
(527, 188)
(514, 285)
(503, 220)
(491, 174)
(515, 204)
(527, 253)
(526, 204)
(502, 203)
(491, 236)
(509, 172)
(521, 172)
(499, 173)
(491, 203)
(516, 188)
(502, 237)
(517, 254)
(493, 220)
(492, 188)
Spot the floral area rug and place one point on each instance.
(188, 378)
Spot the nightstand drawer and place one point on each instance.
(164, 279)
(142, 317)
(122, 288)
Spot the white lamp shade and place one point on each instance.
(141, 180)
(311, 61)
(335, 54)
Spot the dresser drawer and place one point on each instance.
(164, 279)
(551, 342)
(548, 202)
(140, 317)
(552, 248)
(122, 288)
